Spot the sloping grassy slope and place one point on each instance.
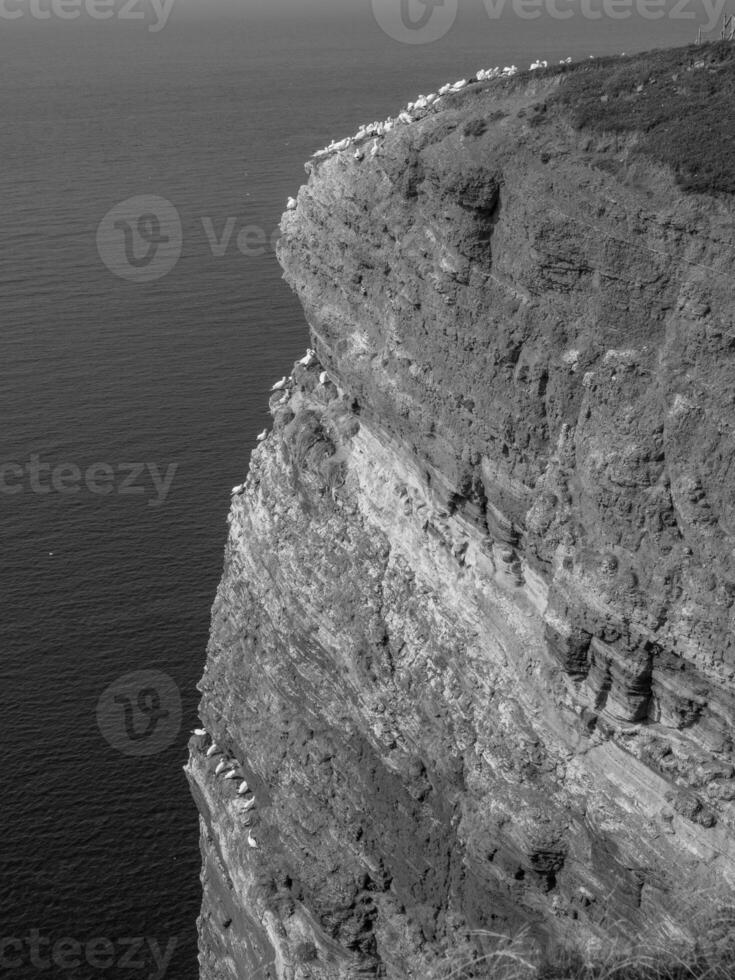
(681, 102)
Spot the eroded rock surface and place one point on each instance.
(473, 644)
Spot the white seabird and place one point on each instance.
(323, 378)
(233, 775)
(235, 490)
(249, 805)
(242, 788)
(220, 766)
(308, 358)
(291, 204)
(263, 435)
(252, 841)
(213, 749)
(280, 385)
(199, 731)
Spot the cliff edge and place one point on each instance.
(472, 659)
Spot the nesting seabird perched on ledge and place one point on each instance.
(249, 805)
(263, 435)
(242, 788)
(252, 841)
(308, 359)
(199, 731)
(233, 775)
(220, 766)
(280, 385)
(291, 204)
(213, 749)
(323, 378)
(235, 491)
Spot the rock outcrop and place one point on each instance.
(473, 647)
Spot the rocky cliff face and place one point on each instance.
(473, 647)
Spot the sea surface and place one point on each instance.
(216, 115)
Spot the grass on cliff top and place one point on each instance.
(681, 102)
(712, 957)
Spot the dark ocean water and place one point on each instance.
(216, 117)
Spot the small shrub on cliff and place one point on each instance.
(475, 127)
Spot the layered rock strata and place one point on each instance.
(473, 645)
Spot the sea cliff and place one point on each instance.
(473, 650)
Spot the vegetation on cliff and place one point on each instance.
(506, 957)
(680, 102)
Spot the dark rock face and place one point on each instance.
(473, 645)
